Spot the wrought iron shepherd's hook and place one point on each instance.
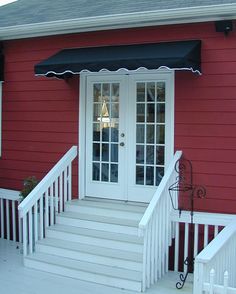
(184, 185)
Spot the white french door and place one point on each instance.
(129, 134)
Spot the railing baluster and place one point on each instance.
(65, 186)
(195, 251)
(36, 222)
(46, 208)
(20, 227)
(30, 232)
(61, 191)
(25, 234)
(42, 218)
(205, 235)
(51, 205)
(8, 219)
(186, 239)
(2, 218)
(13, 213)
(176, 264)
(56, 195)
(216, 231)
(69, 182)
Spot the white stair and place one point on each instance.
(94, 240)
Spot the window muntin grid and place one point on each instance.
(105, 149)
(150, 132)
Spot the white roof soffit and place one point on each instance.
(129, 20)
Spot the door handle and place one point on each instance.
(122, 144)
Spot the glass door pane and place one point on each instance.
(150, 132)
(105, 155)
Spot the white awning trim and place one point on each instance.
(104, 70)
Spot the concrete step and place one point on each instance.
(101, 211)
(100, 238)
(126, 218)
(118, 206)
(121, 236)
(106, 275)
(91, 253)
(89, 221)
(95, 241)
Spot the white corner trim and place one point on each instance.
(82, 135)
(127, 20)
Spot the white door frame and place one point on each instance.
(167, 74)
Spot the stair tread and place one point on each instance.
(97, 233)
(92, 249)
(103, 211)
(86, 266)
(100, 218)
(111, 204)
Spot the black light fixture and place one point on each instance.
(224, 26)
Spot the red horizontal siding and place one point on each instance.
(40, 116)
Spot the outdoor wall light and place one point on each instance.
(224, 26)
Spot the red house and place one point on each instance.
(134, 86)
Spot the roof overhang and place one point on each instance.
(180, 55)
(119, 21)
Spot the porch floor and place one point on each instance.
(15, 278)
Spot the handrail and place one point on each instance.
(151, 207)
(209, 252)
(35, 194)
(10, 228)
(155, 227)
(218, 255)
(9, 194)
(38, 210)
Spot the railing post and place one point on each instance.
(198, 278)
(226, 282)
(212, 278)
(144, 261)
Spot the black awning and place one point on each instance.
(181, 55)
(1, 66)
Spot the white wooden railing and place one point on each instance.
(155, 226)
(196, 236)
(39, 208)
(213, 288)
(10, 228)
(220, 255)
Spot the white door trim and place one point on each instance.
(82, 118)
